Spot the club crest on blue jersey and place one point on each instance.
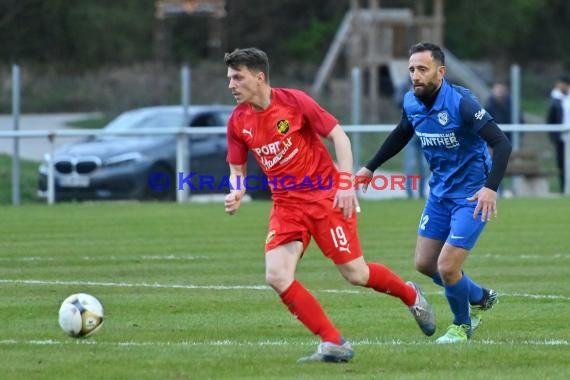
(443, 118)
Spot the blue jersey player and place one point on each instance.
(455, 134)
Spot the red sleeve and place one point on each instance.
(237, 150)
(319, 119)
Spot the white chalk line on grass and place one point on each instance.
(530, 256)
(106, 258)
(231, 287)
(522, 256)
(263, 343)
(136, 285)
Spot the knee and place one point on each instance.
(278, 280)
(357, 277)
(425, 267)
(447, 272)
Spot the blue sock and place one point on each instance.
(437, 279)
(458, 298)
(475, 291)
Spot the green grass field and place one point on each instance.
(28, 181)
(184, 295)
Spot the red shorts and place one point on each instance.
(336, 236)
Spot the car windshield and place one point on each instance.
(214, 118)
(144, 120)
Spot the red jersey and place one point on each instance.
(286, 142)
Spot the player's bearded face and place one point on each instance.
(425, 74)
(426, 88)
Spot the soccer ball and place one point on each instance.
(80, 315)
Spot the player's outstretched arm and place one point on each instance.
(237, 191)
(363, 178)
(394, 143)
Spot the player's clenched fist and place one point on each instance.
(232, 203)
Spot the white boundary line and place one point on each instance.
(106, 258)
(230, 287)
(524, 256)
(262, 343)
(529, 256)
(136, 285)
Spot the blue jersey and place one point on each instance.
(457, 156)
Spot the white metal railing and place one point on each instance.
(183, 155)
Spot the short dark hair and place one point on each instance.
(252, 58)
(564, 79)
(436, 51)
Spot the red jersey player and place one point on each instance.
(283, 129)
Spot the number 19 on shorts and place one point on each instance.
(339, 239)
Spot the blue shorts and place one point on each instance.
(451, 220)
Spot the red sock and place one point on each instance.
(384, 280)
(307, 309)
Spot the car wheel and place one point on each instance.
(157, 193)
